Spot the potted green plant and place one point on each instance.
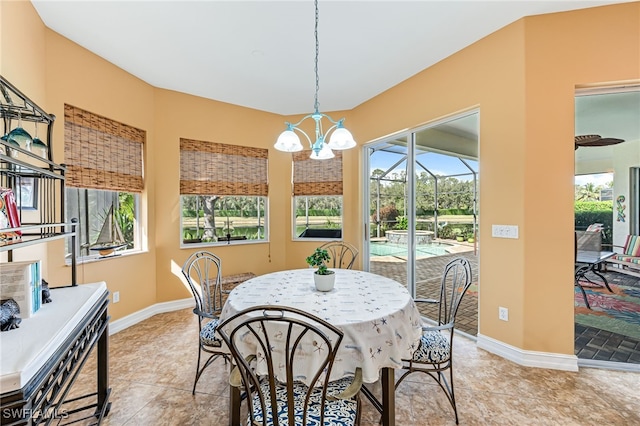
(324, 278)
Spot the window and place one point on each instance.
(318, 217)
(223, 193)
(215, 219)
(91, 208)
(317, 190)
(104, 181)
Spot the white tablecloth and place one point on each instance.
(378, 317)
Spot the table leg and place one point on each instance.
(602, 277)
(580, 273)
(388, 397)
(234, 406)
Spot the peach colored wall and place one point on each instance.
(184, 116)
(22, 49)
(76, 76)
(488, 75)
(522, 80)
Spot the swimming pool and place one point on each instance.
(391, 249)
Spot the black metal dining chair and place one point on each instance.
(342, 254)
(282, 387)
(202, 271)
(434, 355)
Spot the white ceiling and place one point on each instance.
(260, 54)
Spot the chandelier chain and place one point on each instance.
(316, 104)
(322, 145)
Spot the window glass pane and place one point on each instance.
(212, 219)
(318, 217)
(91, 207)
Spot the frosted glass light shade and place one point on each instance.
(324, 154)
(341, 138)
(288, 141)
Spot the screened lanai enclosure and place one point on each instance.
(423, 207)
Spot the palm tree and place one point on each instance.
(588, 192)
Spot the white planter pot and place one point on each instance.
(324, 282)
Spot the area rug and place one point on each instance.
(617, 312)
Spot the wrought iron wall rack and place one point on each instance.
(20, 168)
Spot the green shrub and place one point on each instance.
(401, 223)
(589, 212)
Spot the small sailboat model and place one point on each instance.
(110, 238)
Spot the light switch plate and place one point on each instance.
(504, 231)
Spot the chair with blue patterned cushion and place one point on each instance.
(202, 271)
(283, 357)
(434, 356)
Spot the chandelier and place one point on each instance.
(340, 138)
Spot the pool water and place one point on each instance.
(391, 249)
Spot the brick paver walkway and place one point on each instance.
(428, 276)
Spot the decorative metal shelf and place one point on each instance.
(20, 169)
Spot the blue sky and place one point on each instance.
(437, 163)
(446, 165)
(600, 179)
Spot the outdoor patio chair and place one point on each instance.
(627, 257)
(434, 356)
(342, 254)
(289, 390)
(202, 272)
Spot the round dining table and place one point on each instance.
(379, 319)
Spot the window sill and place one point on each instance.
(315, 239)
(222, 243)
(98, 258)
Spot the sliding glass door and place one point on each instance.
(423, 205)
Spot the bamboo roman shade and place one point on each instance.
(209, 168)
(101, 153)
(317, 177)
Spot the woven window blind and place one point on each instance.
(101, 153)
(209, 168)
(317, 177)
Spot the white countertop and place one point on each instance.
(24, 350)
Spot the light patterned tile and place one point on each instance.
(152, 367)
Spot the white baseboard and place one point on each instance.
(528, 358)
(158, 308)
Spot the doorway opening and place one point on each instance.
(607, 331)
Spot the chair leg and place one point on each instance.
(453, 395)
(195, 382)
(209, 361)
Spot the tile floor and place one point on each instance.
(152, 366)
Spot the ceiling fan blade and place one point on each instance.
(580, 139)
(603, 142)
(595, 140)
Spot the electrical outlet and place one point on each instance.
(116, 296)
(503, 313)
